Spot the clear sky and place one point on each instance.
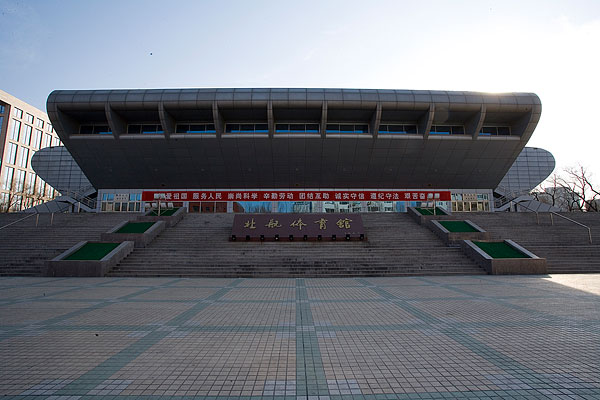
(548, 47)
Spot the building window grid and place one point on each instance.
(195, 128)
(247, 128)
(447, 130)
(347, 128)
(495, 131)
(152, 129)
(92, 129)
(293, 127)
(398, 129)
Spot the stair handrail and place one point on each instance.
(19, 220)
(561, 216)
(80, 197)
(573, 221)
(537, 214)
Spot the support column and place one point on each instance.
(118, 126)
(425, 122)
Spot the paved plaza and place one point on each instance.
(475, 337)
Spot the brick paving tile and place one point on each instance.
(466, 337)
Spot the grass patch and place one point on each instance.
(429, 211)
(167, 212)
(92, 251)
(457, 226)
(500, 250)
(135, 227)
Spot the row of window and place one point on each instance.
(109, 204)
(398, 129)
(20, 181)
(144, 129)
(17, 202)
(407, 129)
(11, 157)
(24, 134)
(94, 129)
(18, 113)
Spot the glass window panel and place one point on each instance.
(442, 130)
(396, 128)
(29, 118)
(16, 129)
(40, 123)
(26, 137)
(85, 129)
(8, 178)
(37, 139)
(411, 129)
(12, 153)
(182, 128)
(312, 128)
(383, 128)
(261, 128)
(347, 128)
(148, 128)
(489, 130)
(2, 109)
(504, 130)
(282, 128)
(134, 129)
(17, 112)
(361, 128)
(297, 127)
(210, 128)
(102, 129)
(23, 157)
(246, 128)
(458, 130)
(333, 128)
(232, 128)
(197, 129)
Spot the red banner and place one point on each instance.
(295, 195)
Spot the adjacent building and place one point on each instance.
(24, 130)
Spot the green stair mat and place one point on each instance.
(135, 227)
(457, 226)
(500, 250)
(92, 251)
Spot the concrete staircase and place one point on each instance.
(24, 246)
(199, 246)
(565, 245)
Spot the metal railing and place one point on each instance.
(19, 220)
(552, 213)
(573, 221)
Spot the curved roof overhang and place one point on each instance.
(275, 160)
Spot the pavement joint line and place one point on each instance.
(101, 303)
(462, 337)
(517, 380)
(499, 301)
(89, 380)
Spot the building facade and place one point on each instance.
(24, 130)
(252, 141)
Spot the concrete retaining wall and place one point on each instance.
(58, 266)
